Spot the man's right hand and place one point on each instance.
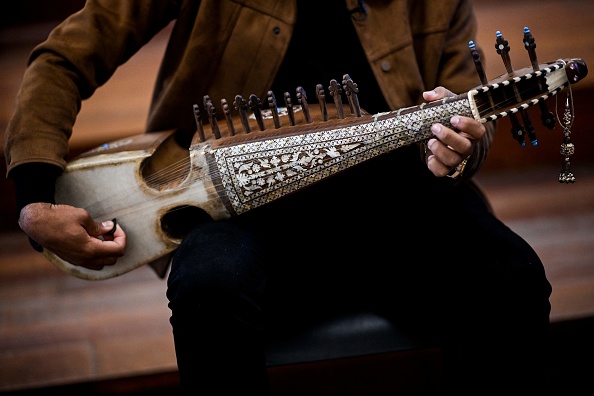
(73, 235)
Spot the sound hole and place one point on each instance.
(179, 221)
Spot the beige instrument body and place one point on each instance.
(103, 180)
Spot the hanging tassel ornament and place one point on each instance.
(567, 148)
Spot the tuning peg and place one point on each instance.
(530, 132)
(256, 107)
(302, 98)
(352, 92)
(290, 110)
(336, 91)
(241, 107)
(502, 47)
(273, 109)
(212, 119)
(200, 128)
(477, 62)
(228, 118)
(322, 101)
(517, 130)
(547, 117)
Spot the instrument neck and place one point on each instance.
(262, 167)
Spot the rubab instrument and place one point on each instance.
(255, 154)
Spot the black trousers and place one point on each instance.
(384, 237)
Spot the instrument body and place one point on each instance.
(130, 180)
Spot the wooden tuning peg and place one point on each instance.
(199, 126)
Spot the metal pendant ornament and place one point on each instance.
(567, 147)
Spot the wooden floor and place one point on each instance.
(57, 330)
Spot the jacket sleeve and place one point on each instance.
(79, 56)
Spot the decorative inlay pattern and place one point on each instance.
(253, 174)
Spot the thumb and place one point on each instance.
(111, 224)
(437, 93)
(106, 227)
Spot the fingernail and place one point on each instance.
(435, 128)
(112, 225)
(431, 92)
(455, 120)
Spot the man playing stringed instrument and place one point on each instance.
(394, 234)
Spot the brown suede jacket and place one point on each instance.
(223, 48)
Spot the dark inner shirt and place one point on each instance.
(325, 46)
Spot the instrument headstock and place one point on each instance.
(516, 96)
